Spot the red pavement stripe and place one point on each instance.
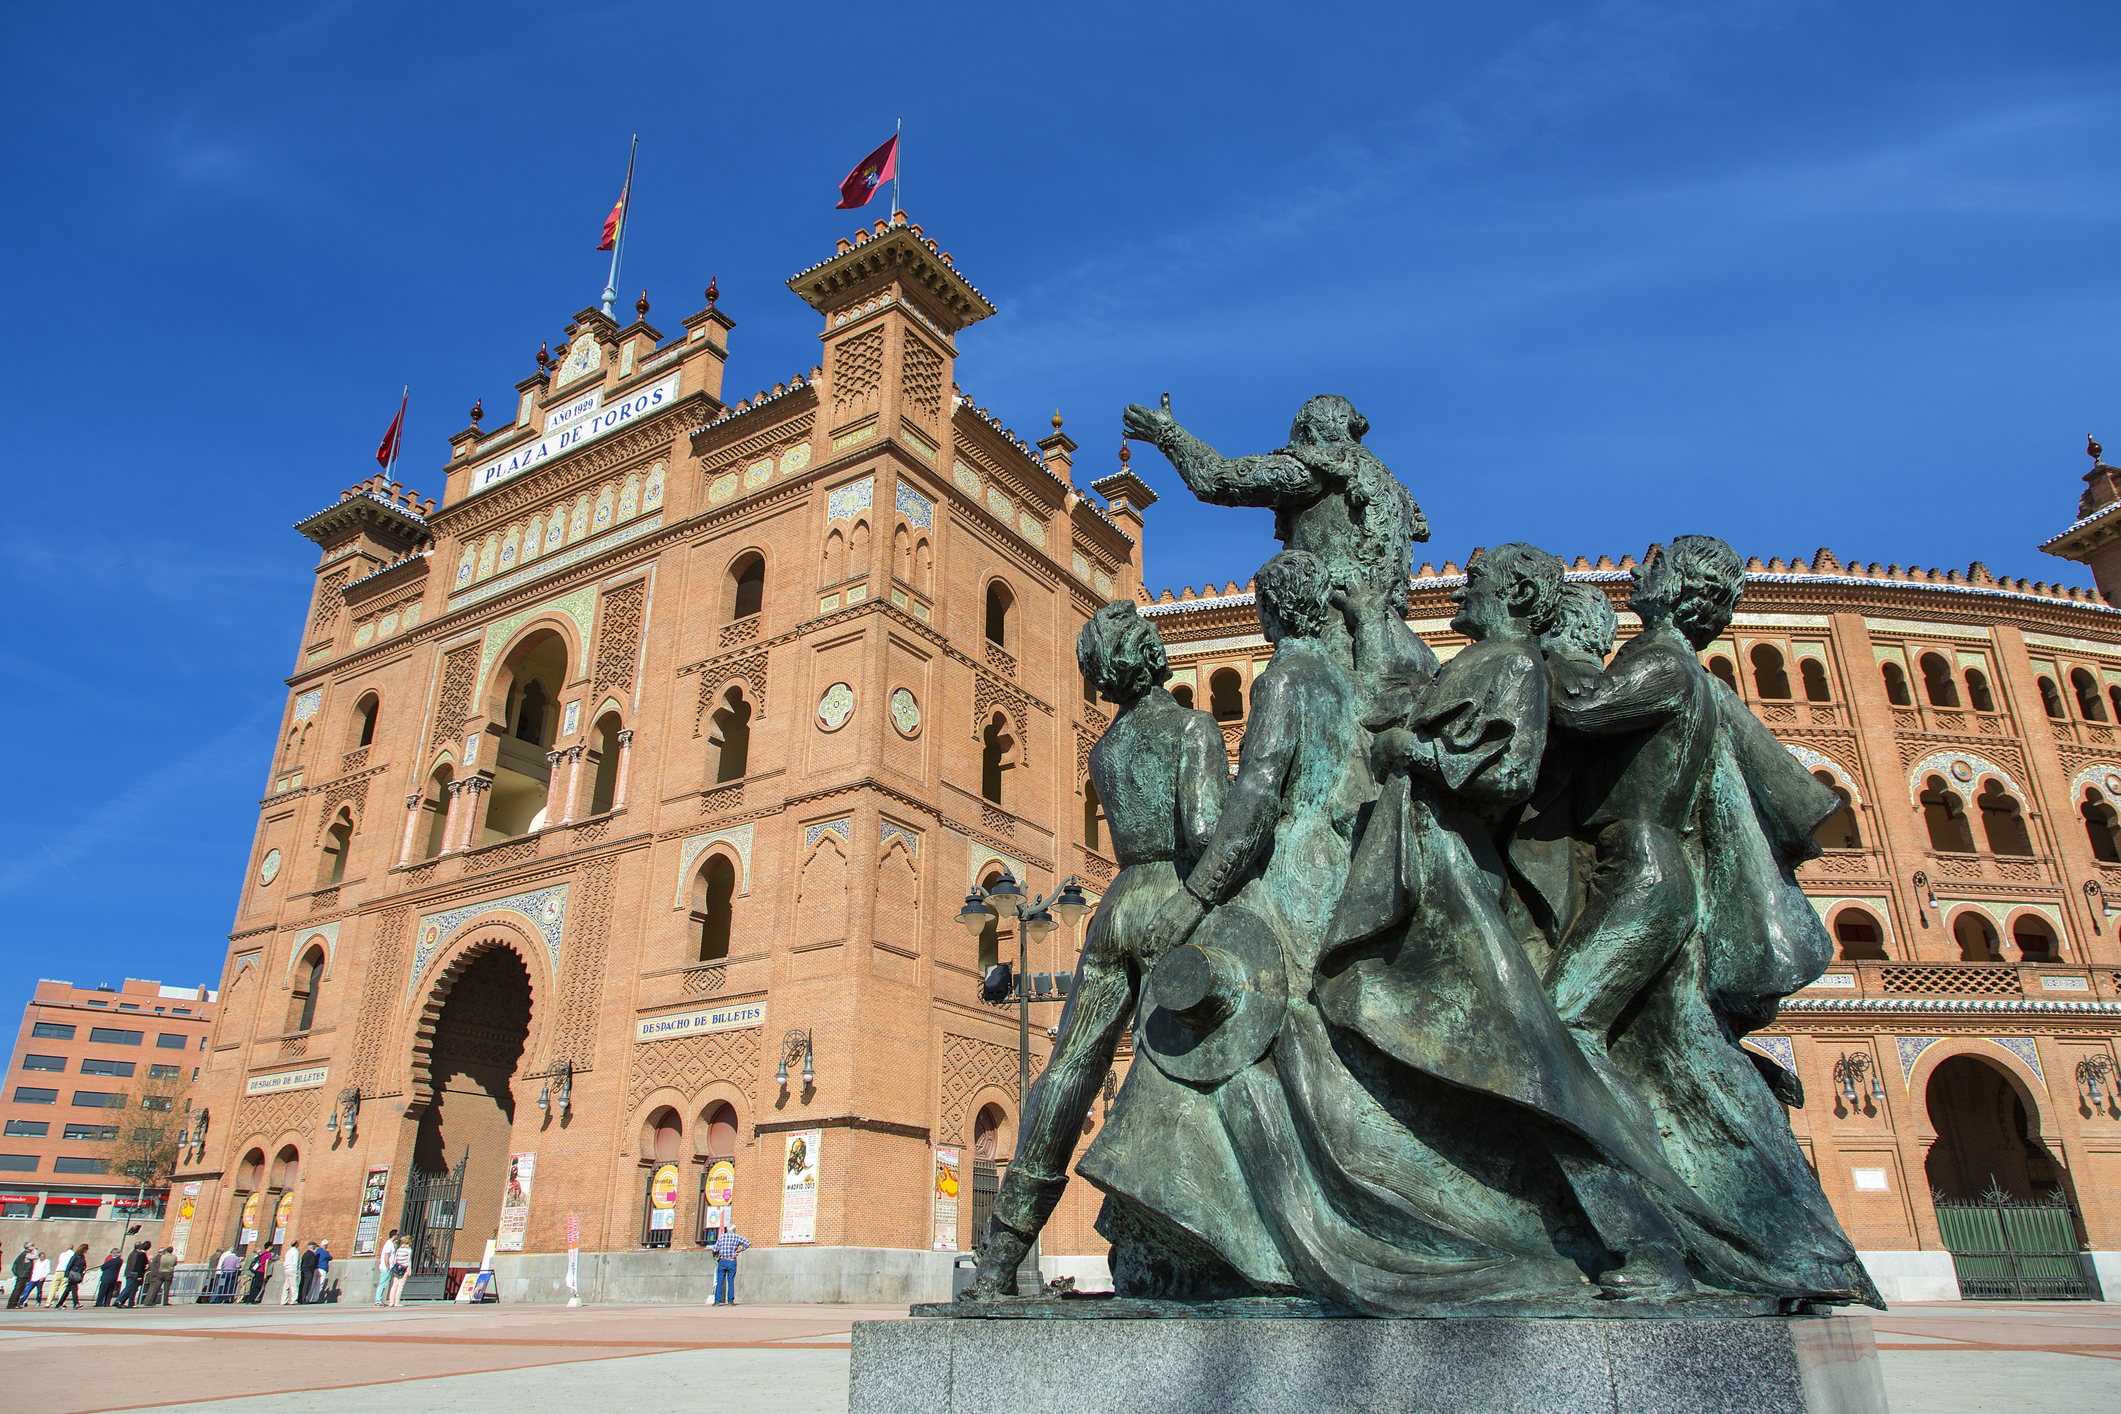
(408, 1338)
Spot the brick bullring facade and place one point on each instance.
(626, 794)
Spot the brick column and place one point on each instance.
(574, 777)
(618, 787)
(449, 825)
(476, 786)
(412, 827)
(552, 781)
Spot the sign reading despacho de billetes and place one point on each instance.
(583, 420)
(308, 1078)
(692, 1023)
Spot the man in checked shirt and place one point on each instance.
(725, 1249)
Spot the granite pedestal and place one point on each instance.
(1273, 1365)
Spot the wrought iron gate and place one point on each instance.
(434, 1210)
(2010, 1251)
(986, 1184)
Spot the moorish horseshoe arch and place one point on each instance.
(482, 936)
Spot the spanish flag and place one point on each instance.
(617, 217)
(870, 173)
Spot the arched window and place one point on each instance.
(1895, 685)
(1978, 696)
(1769, 679)
(986, 1134)
(995, 745)
(309, 980)
(2099, 827)
(923, 565)
(1226, 695)
(990, 936)
(747, 586)
(858, 549)
(902, 554)
(1859, 936)
(2087, 690)
(2002, 821)
(1937, 681)
(1183, 693)
(606, 783)
(338, 843)
(364, 721)
(718, 1131)
(713, 905)
(730, 737)
(835, 558)
(1093, 813)
(436, 804)
(1814, 674)
(2051, 700)
(1089, 692)
(530, 713)
(666, 1132)
(999, 602)
(1945, 814)
(2113, 695)
(1977, 941)
(2035, 940)
(1838, 830)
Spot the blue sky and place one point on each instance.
(1800, 274)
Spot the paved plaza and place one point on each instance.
(1940, 1359)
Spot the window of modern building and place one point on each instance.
(1814, 674)
(1896, 685)
(1937, 681)
(2088, 700)
(128, 1006)
(98, 1100)
(32, 1095)
(51, 1031)
(28, 1128)
(37, 1062)
(170, 1041)
(155, 1102)
(18, 1163)
(122, 1069)
(91, 1132)
(1770, 679)
(110, 1036)
(1978, 696)
(69, 1163)
(2051, 699)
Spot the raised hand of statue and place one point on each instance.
(1147, 424)
(1173, 924)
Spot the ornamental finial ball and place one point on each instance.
(714, 291)
(1126, 454)
(2091, 448)
(543, 357)
(478, 410)
(1056, 420)
(640, 306)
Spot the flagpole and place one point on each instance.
(404, 397)
(618, 247)
(898, 167)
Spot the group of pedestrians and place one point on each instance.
(305, 1275)
(140, 1277)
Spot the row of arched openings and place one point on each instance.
(1860, 937)
(1771, 678)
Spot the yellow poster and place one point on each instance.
(250, 1217)
(282, 1216)
(946, 1185)
(663, 1198)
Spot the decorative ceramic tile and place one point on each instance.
(1911, 1049)
(574, 717)
(835, 707)
(486, 554)
(575, 608)
(616, 538)
(388, 626)
(329, 932)
(1962, 768)
(2025, 1049)
(721, 488)
(758, 473)
(1082, 569)
(847, 501)
(1778, 1048)
(843, 828)
(898, 597)
(630, 498)
(980, 860)
(859, 434)
(916, 508)
(920, 611)
(858, 593)
(464, 569)
(364, 635)
(1815, 761)
(587, 356)
(905, 712)
(652, 492)
(603, 515)
(1104, 584)
(795, 459)
(966, 481)
(887, 832)
(1001, 505)
(738, 839)
(578, 523)
(269, 867)
(471, 749)
(1034, 530)
(827, 604)
(306, 705)
(412, 615)
(544, 909)
(555, 533)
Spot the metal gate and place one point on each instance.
(986, 1183)
(434, 1210)
(2010, 1251)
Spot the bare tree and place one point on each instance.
(156, 1113)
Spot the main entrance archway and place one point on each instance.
(465, 1126)
(1984, 1134)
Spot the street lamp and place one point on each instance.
(1849, 1073)
(563, 1071)
(1924, 894)
(2091, 1074)
(795, 1043)
(1034, 918)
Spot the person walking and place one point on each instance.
(290, 1275)
(73, 1267)
(323, 1280)
(135, 1273)
(40, 1269)
(260, 1269)
(386, 1256)
(399, 1270)
(726, 1248)
(109, 1276)
(161, 1276)
(25, 1262)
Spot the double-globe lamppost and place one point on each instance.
(1035, 919)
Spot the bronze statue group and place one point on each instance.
(1439, 1000)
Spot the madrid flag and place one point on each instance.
(870, 173)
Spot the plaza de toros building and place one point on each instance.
(605, 882)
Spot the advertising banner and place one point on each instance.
(946, 1200)
(717, 1196)
(663, 1198)
(515, 1202)
(574, 1251)
(375, 1190)
(283, 1213)
(799, 1187)
(180, 1238)
(250, 1218)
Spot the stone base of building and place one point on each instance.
(1757, 1365)
(1913, 1276)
